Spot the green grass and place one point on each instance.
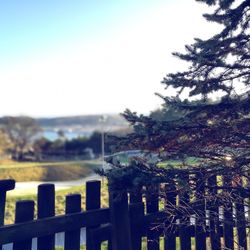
(8, 165)
(191, 161)
(47, 171)
(104, 247)
(144, 245)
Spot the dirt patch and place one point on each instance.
(65, 173)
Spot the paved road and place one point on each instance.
(30, 187)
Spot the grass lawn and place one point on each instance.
(144, 245)
(191, 161)
(104, 247)
(47, 171)
(125, 157)
(11, 164)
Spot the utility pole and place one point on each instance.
(103, 149)
(103, 120)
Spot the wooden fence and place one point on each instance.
(155, 217)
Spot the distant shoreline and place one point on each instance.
(69, 135)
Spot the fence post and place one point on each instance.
(93, 201)
(184, 228)
(152, 206)
(46, 208)
(213, 215)
(119, 215)
(170, 207)
(72, 238)
(240, 215)
(135, 195)
(5, 185)
(136, 212)
(200, 220)
(248, 206)
(24, 212)
(228, 217)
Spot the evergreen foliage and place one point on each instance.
(222, 62)
(212, 126)
(214, 121)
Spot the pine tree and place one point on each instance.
(221, 62)
(215, 131)
(212, 128)
(211, 135)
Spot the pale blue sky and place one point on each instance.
(27, 25)
(68, 57)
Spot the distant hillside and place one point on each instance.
(84, 122)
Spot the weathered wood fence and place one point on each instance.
(148, 218)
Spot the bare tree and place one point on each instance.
(5, 143)
(22, 131)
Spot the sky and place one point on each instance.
(61, 57)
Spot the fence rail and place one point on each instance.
(47, 224)
(162, 216)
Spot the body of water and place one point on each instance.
(53, 135)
